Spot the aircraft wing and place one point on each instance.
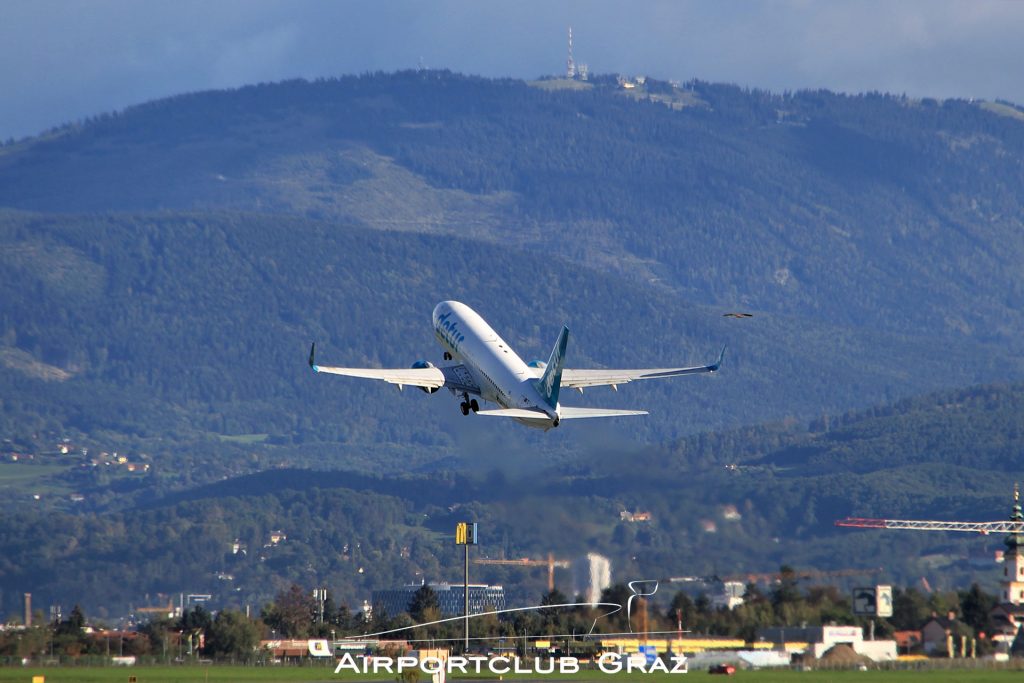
(428, 378)
(577, 379)
(455, 377)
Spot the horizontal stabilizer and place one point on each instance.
(521, 413)
(580, 413)
(564, 413)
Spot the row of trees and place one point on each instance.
(227, 635)
(294, 613)
(787, 603)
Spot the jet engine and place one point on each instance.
(539, 364)
(420, 365)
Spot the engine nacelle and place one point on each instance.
(539, 364)
(421, 365)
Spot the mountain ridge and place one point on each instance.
(176, 260)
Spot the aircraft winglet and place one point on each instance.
(312, 356)
(718, 363)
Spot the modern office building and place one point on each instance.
(482, 598)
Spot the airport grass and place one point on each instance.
(245, 674)
(179, 674)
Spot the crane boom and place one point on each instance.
(524, 562)
(550, 563)
(928, 525)
(777, 576)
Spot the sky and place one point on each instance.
(63, 60)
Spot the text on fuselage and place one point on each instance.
(448, 329)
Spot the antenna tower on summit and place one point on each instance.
(570, 65)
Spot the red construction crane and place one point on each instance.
(775, 577)
(550, 563)
(928, 525)
(1014, 525)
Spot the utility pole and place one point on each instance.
(465, 535)
(465, 598)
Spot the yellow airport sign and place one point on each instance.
(465, 533)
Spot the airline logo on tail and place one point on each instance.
(551, 381)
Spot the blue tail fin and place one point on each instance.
(551, 381)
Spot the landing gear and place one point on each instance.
(468, 405)
(447, 356)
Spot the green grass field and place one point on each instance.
(245, 439)
(26, 478)
(227, 674)
(173, 674)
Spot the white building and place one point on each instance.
(821, 639)
(730, 596)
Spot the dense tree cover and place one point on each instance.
(185, 329)
(856, 209)
(226, 635)
(726, 503)
(208, 238)
(873, 235)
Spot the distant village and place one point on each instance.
(65, 452)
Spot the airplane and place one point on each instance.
(485, 366)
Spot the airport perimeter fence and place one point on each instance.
(923, 665)
(103, 661)
(945, 664)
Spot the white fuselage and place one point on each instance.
(500, 373)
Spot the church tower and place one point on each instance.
(1013, 560)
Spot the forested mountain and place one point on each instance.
(172, 326)
(876, 238)
(164, 269)
(870, 210)
(726, 503)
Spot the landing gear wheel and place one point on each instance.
(474, 406)
(447, 356)
(464, 407)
